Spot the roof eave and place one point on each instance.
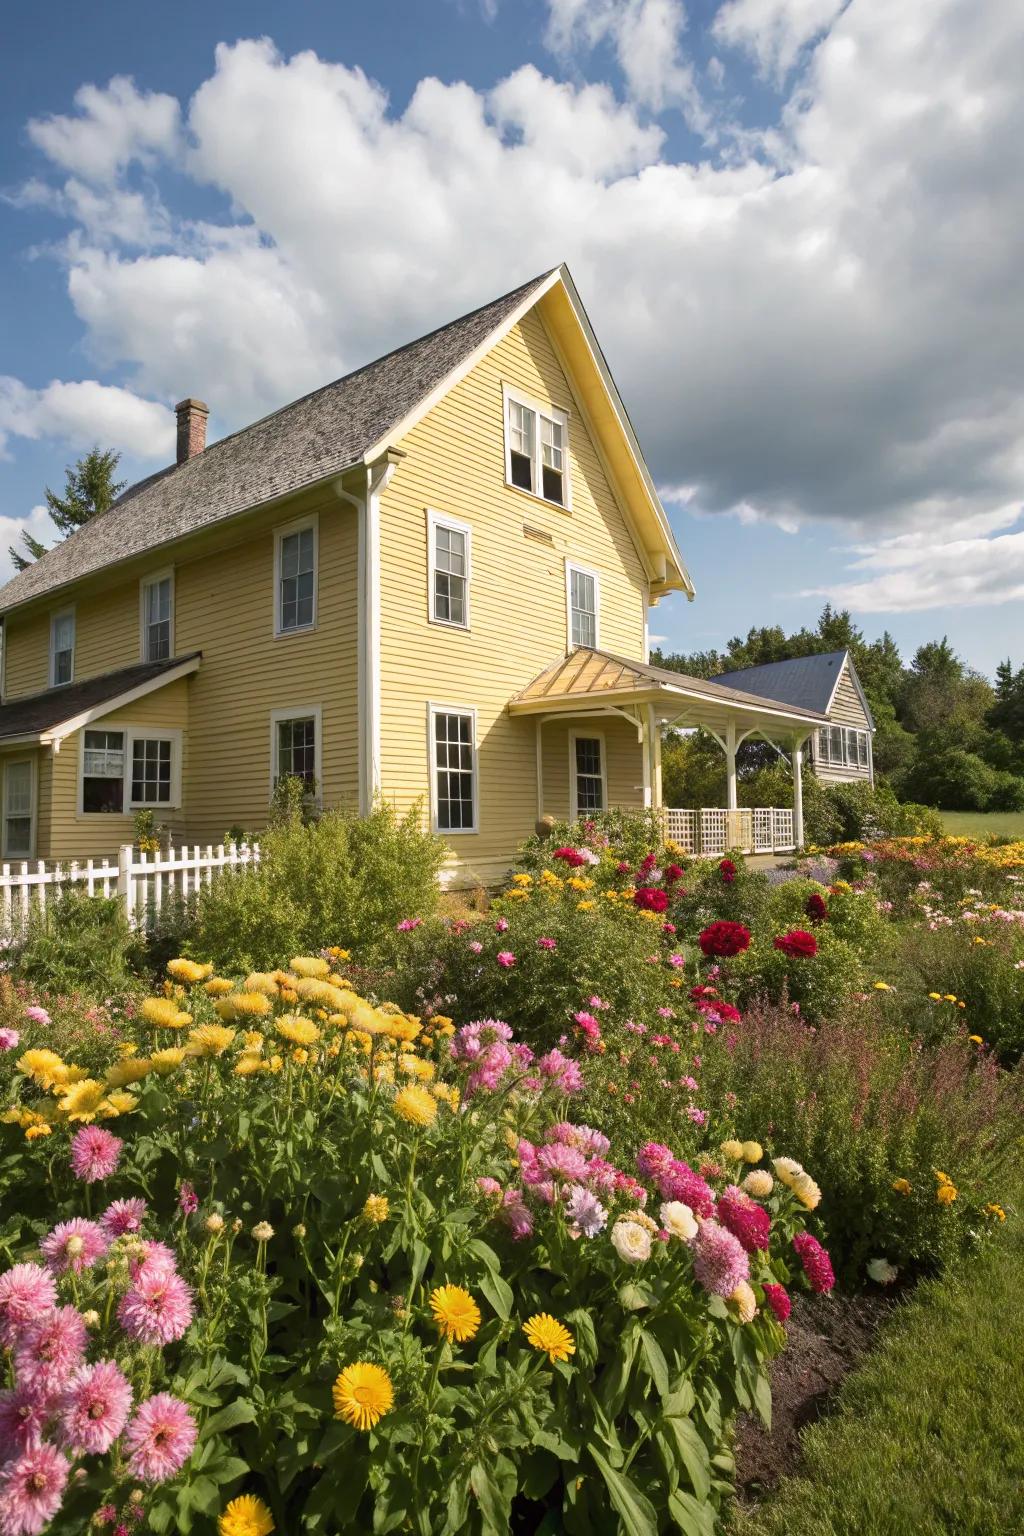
(659, 693)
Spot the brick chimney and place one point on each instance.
(192, 415)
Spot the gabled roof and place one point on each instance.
(350, 421)
(56, 712)
(809, 682)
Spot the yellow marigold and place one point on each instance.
(310, 965)
(455, 1312)
(376, 1209)
(120, 1102)
(127, 1048)
(243, 1005)
(166, 1060)
(300, 1056)
(447, 1093)
(517, 895)
(977, 1039)
(949, 997)
(585, 906)
(548, 877)
(209, 1040)
(412, 1066)
(218, 986)
(245, 1516)
(942, 1178)
(945, 1194)
(579, 883)
(752, 1152)
(362, 1394)
(416, 1105)
(339, 954)
(253, 1040)
(131, 1070)
(550, 1336)
(44, 1067)
(522, 879)
(300, 1031)
(732, 1149)
(995, 1210)
(312, 990)
(275, 1063)
(249, 1063)
(443, 1025)
(35, 1131)
(881, 986)
(901, 1186)
(936, 997)
(82, 1100)
(188, 970)
(259, 981)
(404, 1028)
(164, 1013)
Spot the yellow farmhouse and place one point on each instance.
(428, 581)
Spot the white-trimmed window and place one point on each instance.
(583, 599)
(19, 796)
(842, 746)
(450, 545)
(157, 616)
(295, 577)
(129, 768)
(62, 648)
(453, 770)
(537, 447)
(295, 746)
(587, 781)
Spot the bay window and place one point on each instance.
(129, 768)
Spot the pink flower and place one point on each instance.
(696, 1116)
(719, 1262)
(123, 1216)
(563, 1162)
(777, 1298)
(37, 1015)
(678, 961)
(188, 1200)
(564, 1073)
(547, 943)
(159, 1438)
(26, 1291)
(158, 1307)
(106, 1514)
(501, 926)
(506, 958)
(475, 946)
(515, 1216)
(488, 1186)
(408, 924)
(8, 1039)
(816, 1262)
(23, 1416)
(74, 1245)
(598, 1003)
(95, 1153)
(49, 1349)
(31, 1488)
(745, 1219)
(156, 1258)
(93, 1408)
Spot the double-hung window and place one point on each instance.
(129, 768)
(295, 577)
(62, 648)
(839, 746)
(537, 448)
(449, 570)
(158, 617)
(295, 746)
(582, 597)
(453, 768)
(19, 809)
(586, 775)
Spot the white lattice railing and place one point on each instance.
(713, 831)
(143, 882)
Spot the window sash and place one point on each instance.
(296, 749)
(62, 649)
(842, 746)
(451, 575)
(157, 619)
(18, 810)
(297, 580)
(582, 608)
(454, 771)
(152, 760)
(103, 756)
(536, 441)
(589, 775)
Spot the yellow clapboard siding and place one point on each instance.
(847, 709)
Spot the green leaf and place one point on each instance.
(498, 1293)
(486, 1254)
(635, 1511)
(691, 1517)
(763, 1399)
(241, 1411)
(654, 1360)
(582, 1325)
(693, 1453)
(494, 1509)
(635, 1297)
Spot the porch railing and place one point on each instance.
(713, 831)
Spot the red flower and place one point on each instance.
(816, 909)
(798, 943)
(745, 1219)
(570, 856)
(727, 870)
(816, 1262)
(650, 899)
(672, 873)
(724, 939)
(777, 1298)
(648, 863)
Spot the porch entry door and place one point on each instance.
(18, 809)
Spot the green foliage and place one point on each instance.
(89, 489)
(817, 986)
(618, 835)
(836, 813)
(79, 943)
(343, 879)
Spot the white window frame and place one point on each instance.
(433, 710)
(55, 618)
(10, 762)
(582, 735)
(312, 712)
(437, 520)
(582, 570)
(824, 756)
(132, 734)
(145, 583)
(299, 525)
(555, 413)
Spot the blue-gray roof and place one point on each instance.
(808, 682)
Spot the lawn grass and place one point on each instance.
(982, 824)
(928, 1435)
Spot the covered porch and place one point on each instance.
(598, 687)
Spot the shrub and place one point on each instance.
(79, 943)
(965, 973)
(816, 986)
(844, 812)
(352, 878)
(612, 837)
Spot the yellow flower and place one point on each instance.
(752, 1152)
(310, 965)
(585, 906)
(443, 1025)
(945, 1194)
(901, 1186)
(362, 1394)
(300, 1055)
(745, 1302)
(249, 1063)
(245, 1516)
(517, 895)
(117, 1103)
(447, 1093)
(166, 1060)
(209, 1040)
(312, 990)
(882, 986)
(218, 986)
(732, 1149)
(298, 1030)
(275, 1063)
(548, 877)
(550, 1336)
(416, 1105)
(339, 954)
(990, 1210)
(455, 1312)
(522, 879)
(579, 883)
(127, 1048)
(806, 1191)
(943, 1178)
(35, 1131)
(82, 1099)
(188, 970)
(259, 981)
(936, 997)
(44, 1067)
(412, 1066)
(164, 1013)
(243, 1005)
(376, 1209)
(949, 997)
(404, 1028)
(131, 1070)
(977, 1039)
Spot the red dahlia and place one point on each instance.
(724, 939)
(570, 856)
(650, 898)
(798, 943)
(727, 870)
(816, 908)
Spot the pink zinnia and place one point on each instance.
(49, 1349)
(816, 1262)
(719, 1262)
(506, 958)
(777, 1298)
(123, 1216)
(76, 1245)
(563, 1162)
(26, 1291)
(745, 1219)
(156, 1258)
(564, 1073)
(9, 1038)
(37, 1015)
(93, 1408)
(23, 1416)
(157, 1309)
(501, 926)
(680, 1182)
(31, 1489)
(95, 1153)
(547, 943)
(159, 1438)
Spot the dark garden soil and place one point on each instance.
(827, 1336)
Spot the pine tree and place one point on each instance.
(89, 489)
(35, 549)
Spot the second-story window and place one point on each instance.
(62, 648)
(295, 577)
(449, 570)
(582, 596)
(157, 618)
(536, 448)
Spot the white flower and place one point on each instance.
(806, 1191)
(678, 1219)
(631, 1241)
(758, 1183)
(745, 1302)
(787, 1169)
(882, 1271)
(263, 1231)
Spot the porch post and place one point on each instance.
(655, 745)
(798, 794)
(540, 768)
(647, 757)
(730, 767)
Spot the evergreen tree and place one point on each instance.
(89, 490)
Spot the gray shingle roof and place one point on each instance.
(42, 711)
(319, 435)
(806, 681)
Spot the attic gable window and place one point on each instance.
(536, 448)
(582, 590)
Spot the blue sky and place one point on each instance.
(795, 224)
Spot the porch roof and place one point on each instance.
(589, 679)
(56, 712)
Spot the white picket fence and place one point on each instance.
(143, 882)
(713, 831)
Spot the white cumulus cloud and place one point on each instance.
(114, 125)
(84, 413)
(774, 32)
